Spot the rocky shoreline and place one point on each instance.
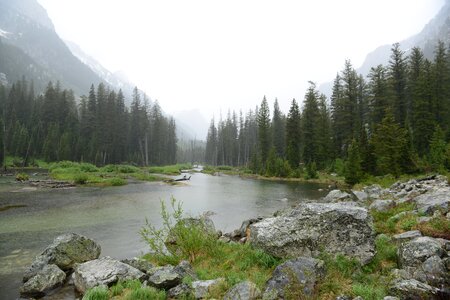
(340, 224)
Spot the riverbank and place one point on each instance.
(363, 244)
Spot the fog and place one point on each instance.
(215, 55)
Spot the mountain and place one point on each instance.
(31, 47)
(437, 29)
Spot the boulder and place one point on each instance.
(337, 227)
(294, 278)
(390, 298)
(164, 277)
(46, 279)
(418, 250)
(382, 205)
(374, 191)
(181, 291)
(438, 200)
(406, 236)
(243, 231)
(337, 196)
(139, 263)
(433, 272)
(203, 287)
(245, 290)
(414, 290)
(103, 271)
(361, 195)
(65, 251)
(184, 269)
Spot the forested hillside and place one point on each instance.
(100, 130)
(395, 121)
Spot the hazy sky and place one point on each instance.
(216, 55)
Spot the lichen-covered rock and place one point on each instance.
(245, 290)
(164, 277)
(103, 271)
(414, 290)
(433, 272)
(382, 205)
(184, 269)
(65, 251)
(337, 196)
(181, 291)
(438, 200)
(337, 227)
(46, 279)
(406, 236)
(361, 195)
(294, 278)
(418, 250)
(374, 191)
(139, 263)
(203, 287)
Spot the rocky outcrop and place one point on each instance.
(406, 236)
(294, 278)
(436, 200)
(245, 290)
(337, 196)
(414, 253)
(65, 251)
(382, 205)
(339, 228)
(184, 269)
(140, 264)
(104, 271)
(414, 290)
(164, 278)
(181, 291)
(46, 279)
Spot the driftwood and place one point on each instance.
(184, 178)
(54, 184)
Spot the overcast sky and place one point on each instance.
(216, 55)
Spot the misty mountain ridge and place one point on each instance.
(437, 29)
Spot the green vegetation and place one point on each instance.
(394, 220)
(97, 293)
(22, 177)
(125, 290)
(438, 227)
(169, 170)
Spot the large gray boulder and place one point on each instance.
(294, 278)
(164, 277)
(201, 288)
(245, 290)
(181, 291)
(415, 252)
(412, 289)
(382, 205)
(104, 271)
(65, 251)
(335, 227)
(45, 280)
(436, 200)
(337, 196)
(406, 236)
(138, 263)
(433, 272)
(184, 269)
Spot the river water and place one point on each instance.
(113, 216)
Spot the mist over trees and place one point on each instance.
(397, 120)
(100, 129)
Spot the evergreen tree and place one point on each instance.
(264, 130)
(397, 80)
(353, 172)
(293, 135)
(309, 124)
(438, 149)
(278, 130)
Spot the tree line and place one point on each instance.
(395, 121)
(100, 129)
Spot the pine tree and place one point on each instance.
(438, 149)
(353, 172)
(278, 130)
(264, 130)
(309, 125)
(397, 80)
(293, 135)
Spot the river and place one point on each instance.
(113, 216)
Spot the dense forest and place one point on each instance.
(395, 121)
(99, 129)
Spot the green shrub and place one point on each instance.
(146, 293)
(311, 171)
(22, 177)
(97, 293)
(86, 167)
(80, 178)
(127, 169)
(117, 181)
(116, 289)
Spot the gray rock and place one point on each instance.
(337, 196)
(103, 271)
(294, 278)
(423, 219)
(224, 239)
(433, 272)
(361, 195)
(139, 263)
(407, 236)
(203, 287)
(343, 297)
(374, 191)
(337, 227)
(400, 274)
(358, 298)
(164, 277)
(437, 200)
(382, 205)
(184, 269)
(391, 298)
(65, 251)
(245, 290)
(243, 231)
(415, 252)
(413, 289)
(46, 279)
(181, 291)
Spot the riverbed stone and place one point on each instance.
(418, 250)
(245, 290)
(104, 271)
(164, 277)
(339, 228)
(65, 251)
(203, 287)
(46, 279)
(382, 205)
(294, 278)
